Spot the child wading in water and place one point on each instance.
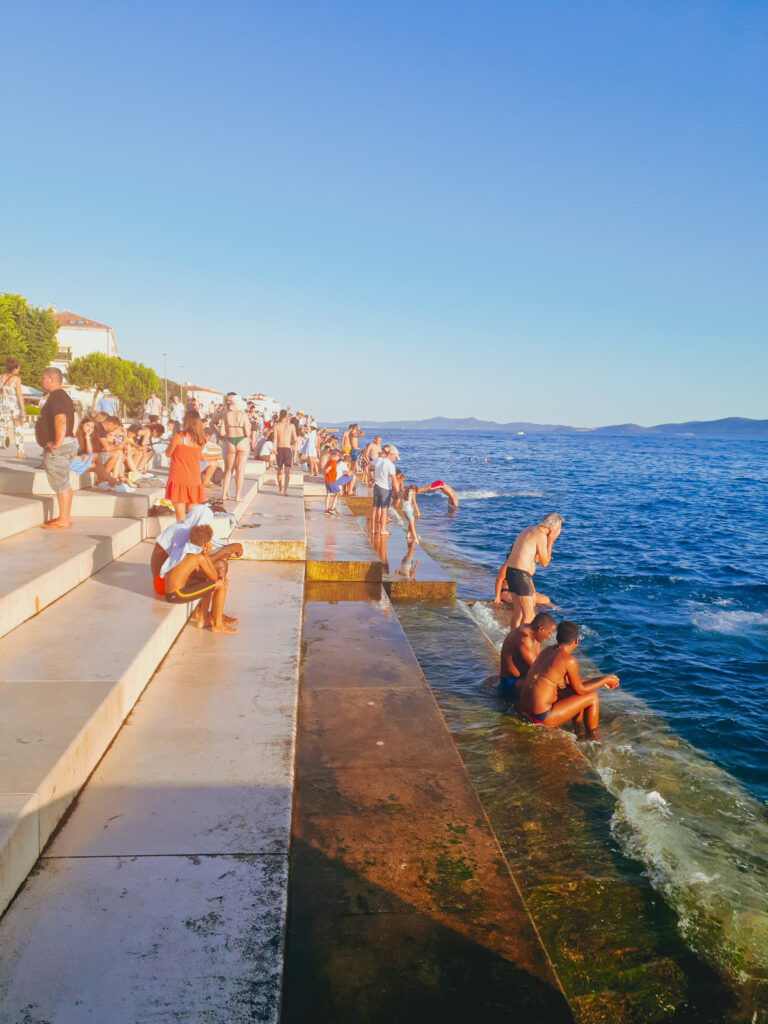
(195, 576)
(410, 510)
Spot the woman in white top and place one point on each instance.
(236, 433)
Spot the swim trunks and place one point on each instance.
(520, 582)
(508, 686)
(436, 485)
(284, 458)
(381, 496)
(354, 455)
(195, 587)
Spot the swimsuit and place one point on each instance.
(539, 717)
(520, 582)
(354, 455)
(284, 458)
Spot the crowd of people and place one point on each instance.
(189, 563)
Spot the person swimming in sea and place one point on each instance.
(556, 669)
(437, 486)
(521, 647)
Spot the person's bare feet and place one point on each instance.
(230, 619)
(223, 628)
(385, 533)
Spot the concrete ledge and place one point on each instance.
(426, 581)
(18, 513)
(38, 567)
(337, 549)
(273, 528)
(65, 690)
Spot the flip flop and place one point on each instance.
(53, 525)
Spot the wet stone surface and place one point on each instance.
(401, 905)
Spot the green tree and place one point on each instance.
(97, 371)
(27, 333)
(139, 384)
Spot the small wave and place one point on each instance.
(481, 494)
(712, 621)
(675, 814)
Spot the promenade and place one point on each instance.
(271, 826)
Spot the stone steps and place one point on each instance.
(41, 566)
(337, 548)
(419, 578)
(273, 528)
(68, 678)
(172, 869)
(19, 513)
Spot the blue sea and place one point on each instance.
(662, 562)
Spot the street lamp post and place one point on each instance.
(165, 374)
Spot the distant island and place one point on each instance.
(732, 426)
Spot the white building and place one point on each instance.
(79, 336)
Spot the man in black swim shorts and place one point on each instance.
(532, 547)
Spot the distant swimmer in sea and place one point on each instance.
(556, 670)
(520, 649)
(442, 488)
(533, 546)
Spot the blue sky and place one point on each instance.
(550, 211)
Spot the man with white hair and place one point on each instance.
(514, 581)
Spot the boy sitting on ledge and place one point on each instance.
(195, 576)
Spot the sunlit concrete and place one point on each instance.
(22, 513)
(164, 896)
(337, 549)
(38, 567)
(273, 527)
(66, 685)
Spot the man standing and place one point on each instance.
(533, 546)
(285, 439)
(354, 452)
(56, 433)
(384, 483)
(153, 408)
(372, 451)
(177, 414)
(106, 403)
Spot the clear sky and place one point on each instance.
(550, 211)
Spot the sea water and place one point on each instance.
(662, 562)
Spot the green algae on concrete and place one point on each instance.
(612, 939)
(401, 905)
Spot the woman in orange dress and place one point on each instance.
(185, 451)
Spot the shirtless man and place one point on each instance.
(533, 546)
(354, 433)
(520, 649)
(372, 451)
(556, 669)
(285, 441)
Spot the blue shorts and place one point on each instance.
(354, 455)
(346, 479)
(508, 686)
(381, 496)
(331, 487)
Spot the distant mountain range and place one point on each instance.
(733, 426)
